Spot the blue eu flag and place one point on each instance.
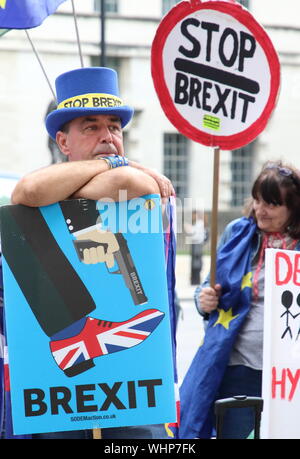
(25, 14)
(201, 383)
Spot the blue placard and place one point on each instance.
(89, 345)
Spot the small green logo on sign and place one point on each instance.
(211, 122)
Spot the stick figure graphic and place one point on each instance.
(298, 302)
(287, 301)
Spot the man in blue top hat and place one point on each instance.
(87, 126)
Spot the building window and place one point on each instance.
(176, 161)
(245, 3)
(111, 62)
(168, 4)
(111, 6)
(241, 174)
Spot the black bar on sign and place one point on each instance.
(220, 76)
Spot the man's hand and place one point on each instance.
(165, 185)
(100, 253)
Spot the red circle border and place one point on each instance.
(242, 15)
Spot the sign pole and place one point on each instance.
(214, 217)
(97, 434)
(103, 37)
(205, 75)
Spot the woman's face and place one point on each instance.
(271, 218)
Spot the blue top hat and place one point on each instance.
(87, 91)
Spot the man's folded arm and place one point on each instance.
(119, 184)
(56, 182)
(81, 179)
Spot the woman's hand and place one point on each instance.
(209, 298)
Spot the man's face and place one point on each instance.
(89, 137)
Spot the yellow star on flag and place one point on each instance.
(247, 280)
(2, 3)
(225, 317)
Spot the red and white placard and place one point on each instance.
(216, 72)
(281, 362)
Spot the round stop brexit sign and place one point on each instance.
(216, 72)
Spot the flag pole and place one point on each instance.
(77, 34)
(40, 62)
(214, 217)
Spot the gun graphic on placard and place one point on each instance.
(125, 263)
(83, 218)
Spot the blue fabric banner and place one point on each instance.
(25, 14)
(200, 385)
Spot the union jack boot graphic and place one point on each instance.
(89, 338)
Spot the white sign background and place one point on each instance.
(281, 368)
(216, 72)
(255, 68)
